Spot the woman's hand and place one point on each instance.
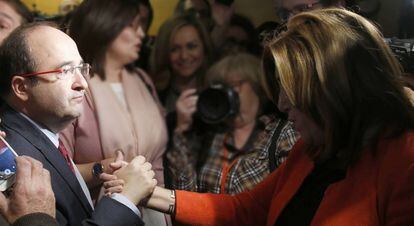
(111, 183)
(138, 179)
(186, 106)
(112, 164)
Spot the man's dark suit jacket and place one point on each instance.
(72, 206)
(33, 219)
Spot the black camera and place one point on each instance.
(217, 103)
(404, 51)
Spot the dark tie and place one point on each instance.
(65, 155)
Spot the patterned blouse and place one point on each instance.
(227, 169)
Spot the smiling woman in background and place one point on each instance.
(182, 53)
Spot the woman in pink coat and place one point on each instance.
(121, 111)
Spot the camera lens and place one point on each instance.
(217, 103)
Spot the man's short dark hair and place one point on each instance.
(15, 57)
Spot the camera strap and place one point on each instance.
(271, 150)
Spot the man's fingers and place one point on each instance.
(147, 166)
(37, 169)
(138, 160)
(46, 177)
(151, 173)
(24, 174)
(3, 204)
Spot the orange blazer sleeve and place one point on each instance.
(248, 208)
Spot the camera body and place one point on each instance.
(217, 103)
(404, 51)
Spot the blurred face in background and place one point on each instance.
(9, 20)
(288, 8)
(249, 101)
(186, 51)
(125, 48)
(236, 40)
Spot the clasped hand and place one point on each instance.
(134, 180)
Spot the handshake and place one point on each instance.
(32, 192)
(134, 180)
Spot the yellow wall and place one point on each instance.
(262, 11)
(50, 7)
(258, 11)
(163, 9)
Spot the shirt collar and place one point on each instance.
(53, 137)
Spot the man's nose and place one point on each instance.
(80, 82)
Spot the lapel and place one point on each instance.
(299, 169)
(14, 121)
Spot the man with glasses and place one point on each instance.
(42, 85)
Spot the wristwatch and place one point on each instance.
(97, 169)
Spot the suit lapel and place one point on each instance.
(14, 121)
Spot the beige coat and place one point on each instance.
(106, 125)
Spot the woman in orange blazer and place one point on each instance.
(354, 165)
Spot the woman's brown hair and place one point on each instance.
(335, 67)
(95, 24)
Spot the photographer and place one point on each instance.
(234, 159)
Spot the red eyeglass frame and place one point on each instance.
(41, 73)
(60, 70)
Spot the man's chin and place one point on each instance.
(69, 116)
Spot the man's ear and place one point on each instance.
(20, 87)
